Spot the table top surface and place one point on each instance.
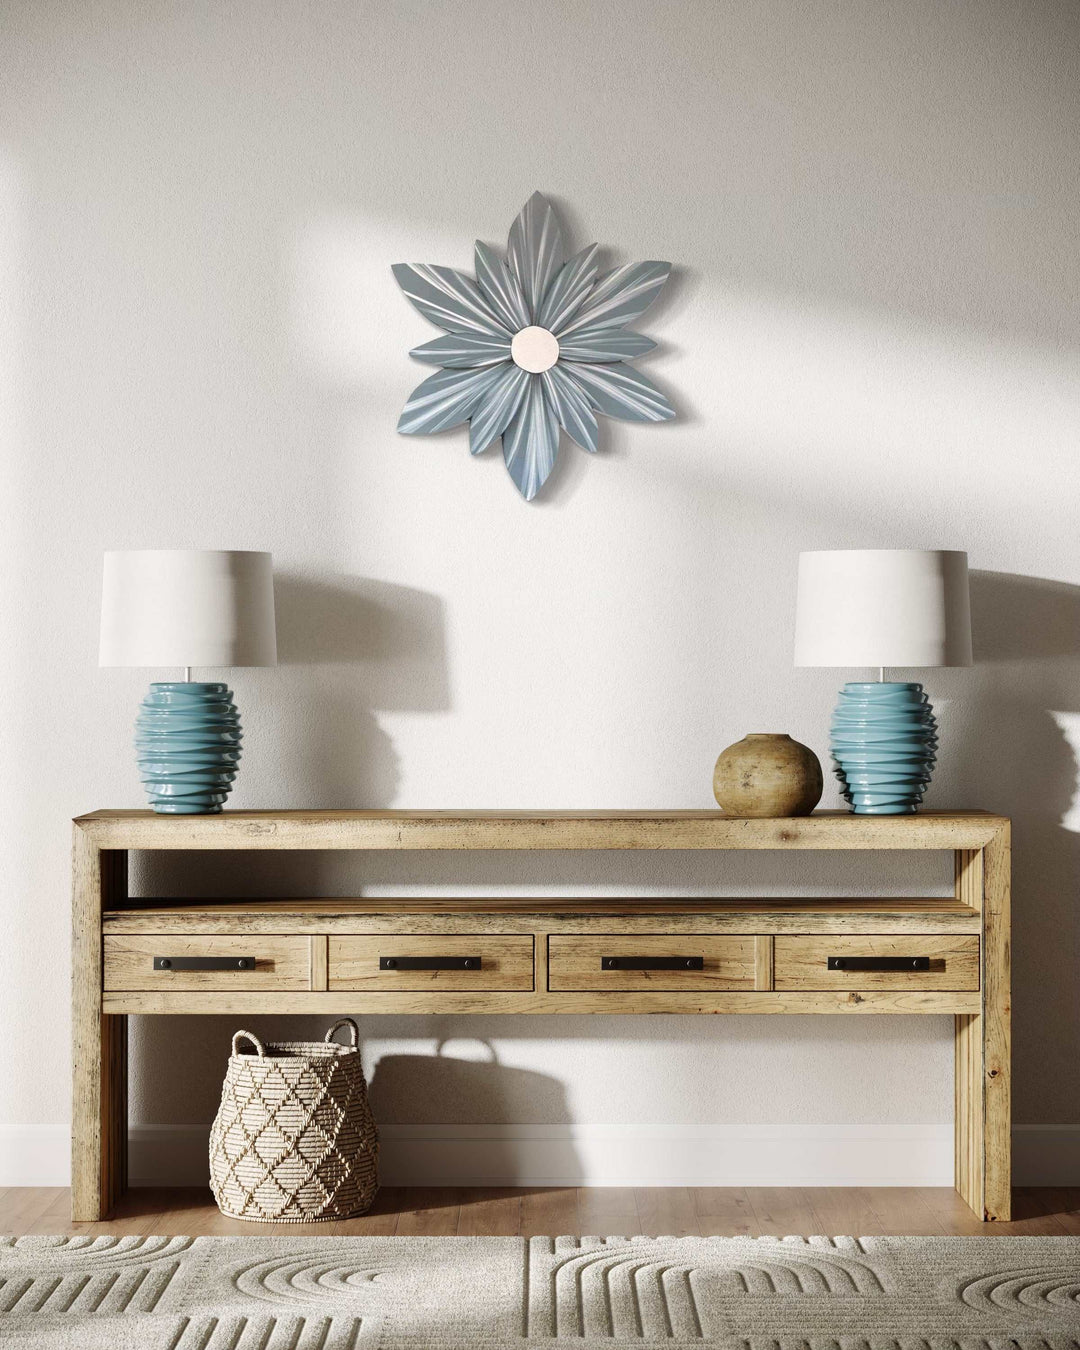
(567, 830)
(607, 813)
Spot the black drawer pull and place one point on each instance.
(430, 963)
(879, 963)
(204, 963)
(652, 963)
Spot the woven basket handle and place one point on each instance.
(252, 1038)
(354, 1039)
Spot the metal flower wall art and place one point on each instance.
(536, 343)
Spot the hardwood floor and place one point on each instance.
(654, 1211)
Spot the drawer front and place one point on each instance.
(247, 961)
(388, 963)
(687, 961)
(945, 963)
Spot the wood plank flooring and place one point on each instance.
(654, 1211)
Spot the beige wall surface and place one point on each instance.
(871, 336)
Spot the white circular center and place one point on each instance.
(535, 349)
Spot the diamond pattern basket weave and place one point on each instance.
(294, 1139)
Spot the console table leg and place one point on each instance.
(99, 1044)
(997, 1026)
(969, 1127)
(983, 1093)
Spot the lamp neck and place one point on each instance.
(187, 674)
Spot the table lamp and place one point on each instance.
(188, 607)
(883, 607)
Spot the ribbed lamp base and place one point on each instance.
(884, 744)
(187, 738)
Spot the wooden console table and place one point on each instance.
(912, 955)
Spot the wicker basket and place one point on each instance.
(294, 1139)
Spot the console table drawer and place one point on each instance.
(385, 963)
(227, 961)
(874, 961)
(684, 961)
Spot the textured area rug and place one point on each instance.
(257, 1293)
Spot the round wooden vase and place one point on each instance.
(767, 775)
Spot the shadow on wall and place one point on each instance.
(1016, 742)
(349, 647)
(467, 1090)
(395, 633)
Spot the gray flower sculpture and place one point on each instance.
(535, 343)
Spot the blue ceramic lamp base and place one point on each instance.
(884, 744)
(187, 739)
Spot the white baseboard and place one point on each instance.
(595, 1155)
(668, 1155)
(35, 1155)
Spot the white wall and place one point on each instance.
(871, 337)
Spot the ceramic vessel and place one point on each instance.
(187, 740)
(767, 775)
(884, 746)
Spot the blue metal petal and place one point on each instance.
(448, 298)
(445, 399)
(620, 297)
(572, 408)
(463, 349)
(620, 391)
(603, 344)
(497, 407)
(501, 289)
(566, 294)
(531, 441)
(535, 250)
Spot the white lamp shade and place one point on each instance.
(188, 607)
(883, 607)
